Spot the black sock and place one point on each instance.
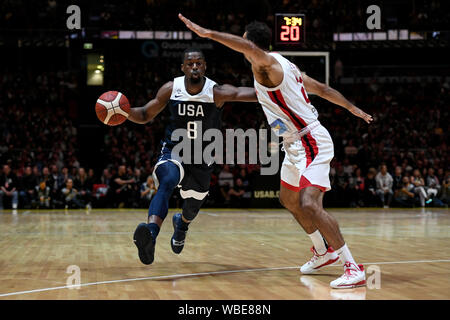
(326, 243)
(183, 225)
(154, 229)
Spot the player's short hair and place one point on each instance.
(260, 34)
(192, 49)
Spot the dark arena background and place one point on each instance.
(66, 229)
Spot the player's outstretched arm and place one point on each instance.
(334, 96)
(257, 57)
(229, 93)
(153, 107)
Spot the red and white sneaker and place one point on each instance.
(319, 261)
(354, 276)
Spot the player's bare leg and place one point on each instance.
(311, 203)
(322, 255)
(155, 219)
(291, 201)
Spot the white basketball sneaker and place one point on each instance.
(354, 276)
(319, 261)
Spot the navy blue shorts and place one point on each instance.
(195, 178)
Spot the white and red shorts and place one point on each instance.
(307, 160)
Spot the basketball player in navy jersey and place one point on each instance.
(194, 102)
(282, 92)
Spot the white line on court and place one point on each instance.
(175, 276)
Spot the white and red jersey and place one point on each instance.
(286, 106)
(289, 111)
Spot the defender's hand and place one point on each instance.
(200, 31)
(361, 114)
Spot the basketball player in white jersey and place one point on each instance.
(282, 91)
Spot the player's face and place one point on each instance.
(194, 66)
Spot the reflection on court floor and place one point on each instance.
(229, 254)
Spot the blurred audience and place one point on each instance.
(40, 142)
(147, 191)
(384, 186)
(229, 15)
(419, 187)
(43, 195)
(121, 188)
(70, 196)
(404, 195)
(27, 190)
(8, 188)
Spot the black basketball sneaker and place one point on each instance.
(145, 243)
(177, 240)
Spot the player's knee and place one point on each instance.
(191, 208)
(309, 206)
(190, 214)
(167, 183)
(168, 175)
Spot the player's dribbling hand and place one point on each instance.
(200, 31)
(361, 114)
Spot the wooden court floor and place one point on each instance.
(229, 254)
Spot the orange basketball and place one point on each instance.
(112, 108)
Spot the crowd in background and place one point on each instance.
(232, 15)
(409, 135)
(401, 159)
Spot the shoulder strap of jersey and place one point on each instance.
(287, 65)
(208, 89)
(282, 60)
(178, 88)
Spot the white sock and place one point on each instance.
(345, 254)
(317, 241)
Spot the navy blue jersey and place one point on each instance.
(194, 113)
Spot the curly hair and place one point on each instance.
(260, 34)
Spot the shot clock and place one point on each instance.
(289, 28)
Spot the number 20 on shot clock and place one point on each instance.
(289, 28)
